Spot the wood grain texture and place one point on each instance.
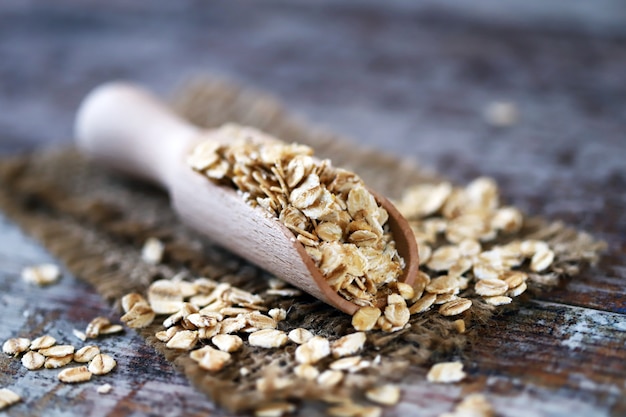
(410, 79)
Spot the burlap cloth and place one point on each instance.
(96, 222)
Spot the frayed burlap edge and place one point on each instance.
(103, 221)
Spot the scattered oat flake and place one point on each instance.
(474, 405)
(365, 318)
(129, 300)
(227, 342)
(152, 251)
(233, 324)
(268, 338)
(514, 279)
(313, 350)
(330, 378)
(234, 311)
(43, 274)
(549, 279)
(443, 284)
(424, 199)
(199, 321)
(306, 371)
(446, 372)
(278, 314)
(57, 362)
(405, 290)
(104, 389)
(58, 351)
(74, 375)
(33, 360)
(213, 360)
(204, 155)
(183, 340)
(138, 316)
(8, 398)
(491, 287)
(445, 298)
(385, 394)
(165, 297)
(397, 313)
(79, 334)
(455, 307)
(95, 325)
(300, 335)
(16, 345)
(531, 247)
(425, 252)
(111, 329)
(197, 354)
(345, 364)
(485, 271)
(286, 292)
(541, 260)
(102, 364)
(165, 335)
(348, 345)
(275, 409)
(269, 384)
(42, 342)
(86, 353)
(498, 300)
(507, 219)
(517, 291)
(459, 325)
(460, 267)
(444, 258)
(260, 321)
(423, 303)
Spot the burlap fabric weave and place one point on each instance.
(96, 222)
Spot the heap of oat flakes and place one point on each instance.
(213, 321)
(456, 229)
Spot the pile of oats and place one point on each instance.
(456, 230)
(213, 320)
(328, 209)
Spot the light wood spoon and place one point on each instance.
(130, 130)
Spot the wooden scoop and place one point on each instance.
(128, 129)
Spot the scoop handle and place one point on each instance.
(129, 129)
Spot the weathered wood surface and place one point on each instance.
(409, 79)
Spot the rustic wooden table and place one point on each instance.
(410, 79)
